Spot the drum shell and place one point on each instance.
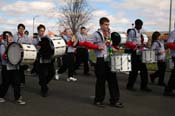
(59, 46)
(149, 56)
(121, 63)
(29, 54)
(21, 53)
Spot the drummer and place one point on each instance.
(45, 68)
(135, 43)
(9, 72)
(158, 45)
(36, 39)
(22, 38)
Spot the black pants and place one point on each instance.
(171, 83)
(82, 56)
(46, 73)
(103, 74)
(160, 72)
(68, 63)
(137, 65)
(10, 77)
(21, 73)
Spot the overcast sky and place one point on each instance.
(122, 13)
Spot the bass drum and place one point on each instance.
(60, 46)
(21, 53)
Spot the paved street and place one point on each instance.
(75, 99)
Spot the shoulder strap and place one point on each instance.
(159, 44)
(130, 30)
(100, 35)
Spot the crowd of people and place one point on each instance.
(77, 52)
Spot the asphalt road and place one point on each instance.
(76, 99)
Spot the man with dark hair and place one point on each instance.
(9, 72)
(21, 26)
(102, 68)
(44, 64)
(21, 38)
(136, 43)
(82, 51)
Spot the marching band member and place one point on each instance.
(9, 72)
(102, 69)
(158, 45)
(171, 83)
(68, 58)
(36, 39)
(22, 38)
(135, 43)
(82, 51)
(45, 67)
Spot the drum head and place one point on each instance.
(14, 53)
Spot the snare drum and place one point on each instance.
(121, 63)
(59, 46)
(149, 56)
(21, 53)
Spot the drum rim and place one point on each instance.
(8, 49)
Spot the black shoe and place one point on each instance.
(87, 74)
(44, 91)
(22, 85)
(146, 89)
(171, 94)
(117, 105)
(75, 73)
(131, 89)
(44, 94)
(161, 84)
(152, 78)
(99, 104)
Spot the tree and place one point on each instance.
(75, 13)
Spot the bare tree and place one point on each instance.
(75, 13)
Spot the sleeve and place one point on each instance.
(94, 38)
(154, 46)
(131, 35)
(171, 38)
(88, 45)
(15, 37)
(3, 55)
(170, 43)
(69, 43)
(130, 45)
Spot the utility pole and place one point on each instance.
(34, 23)
(170, 16)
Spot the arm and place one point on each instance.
(88, 45)
(130, 43)
(3, 54)
(170, 45)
